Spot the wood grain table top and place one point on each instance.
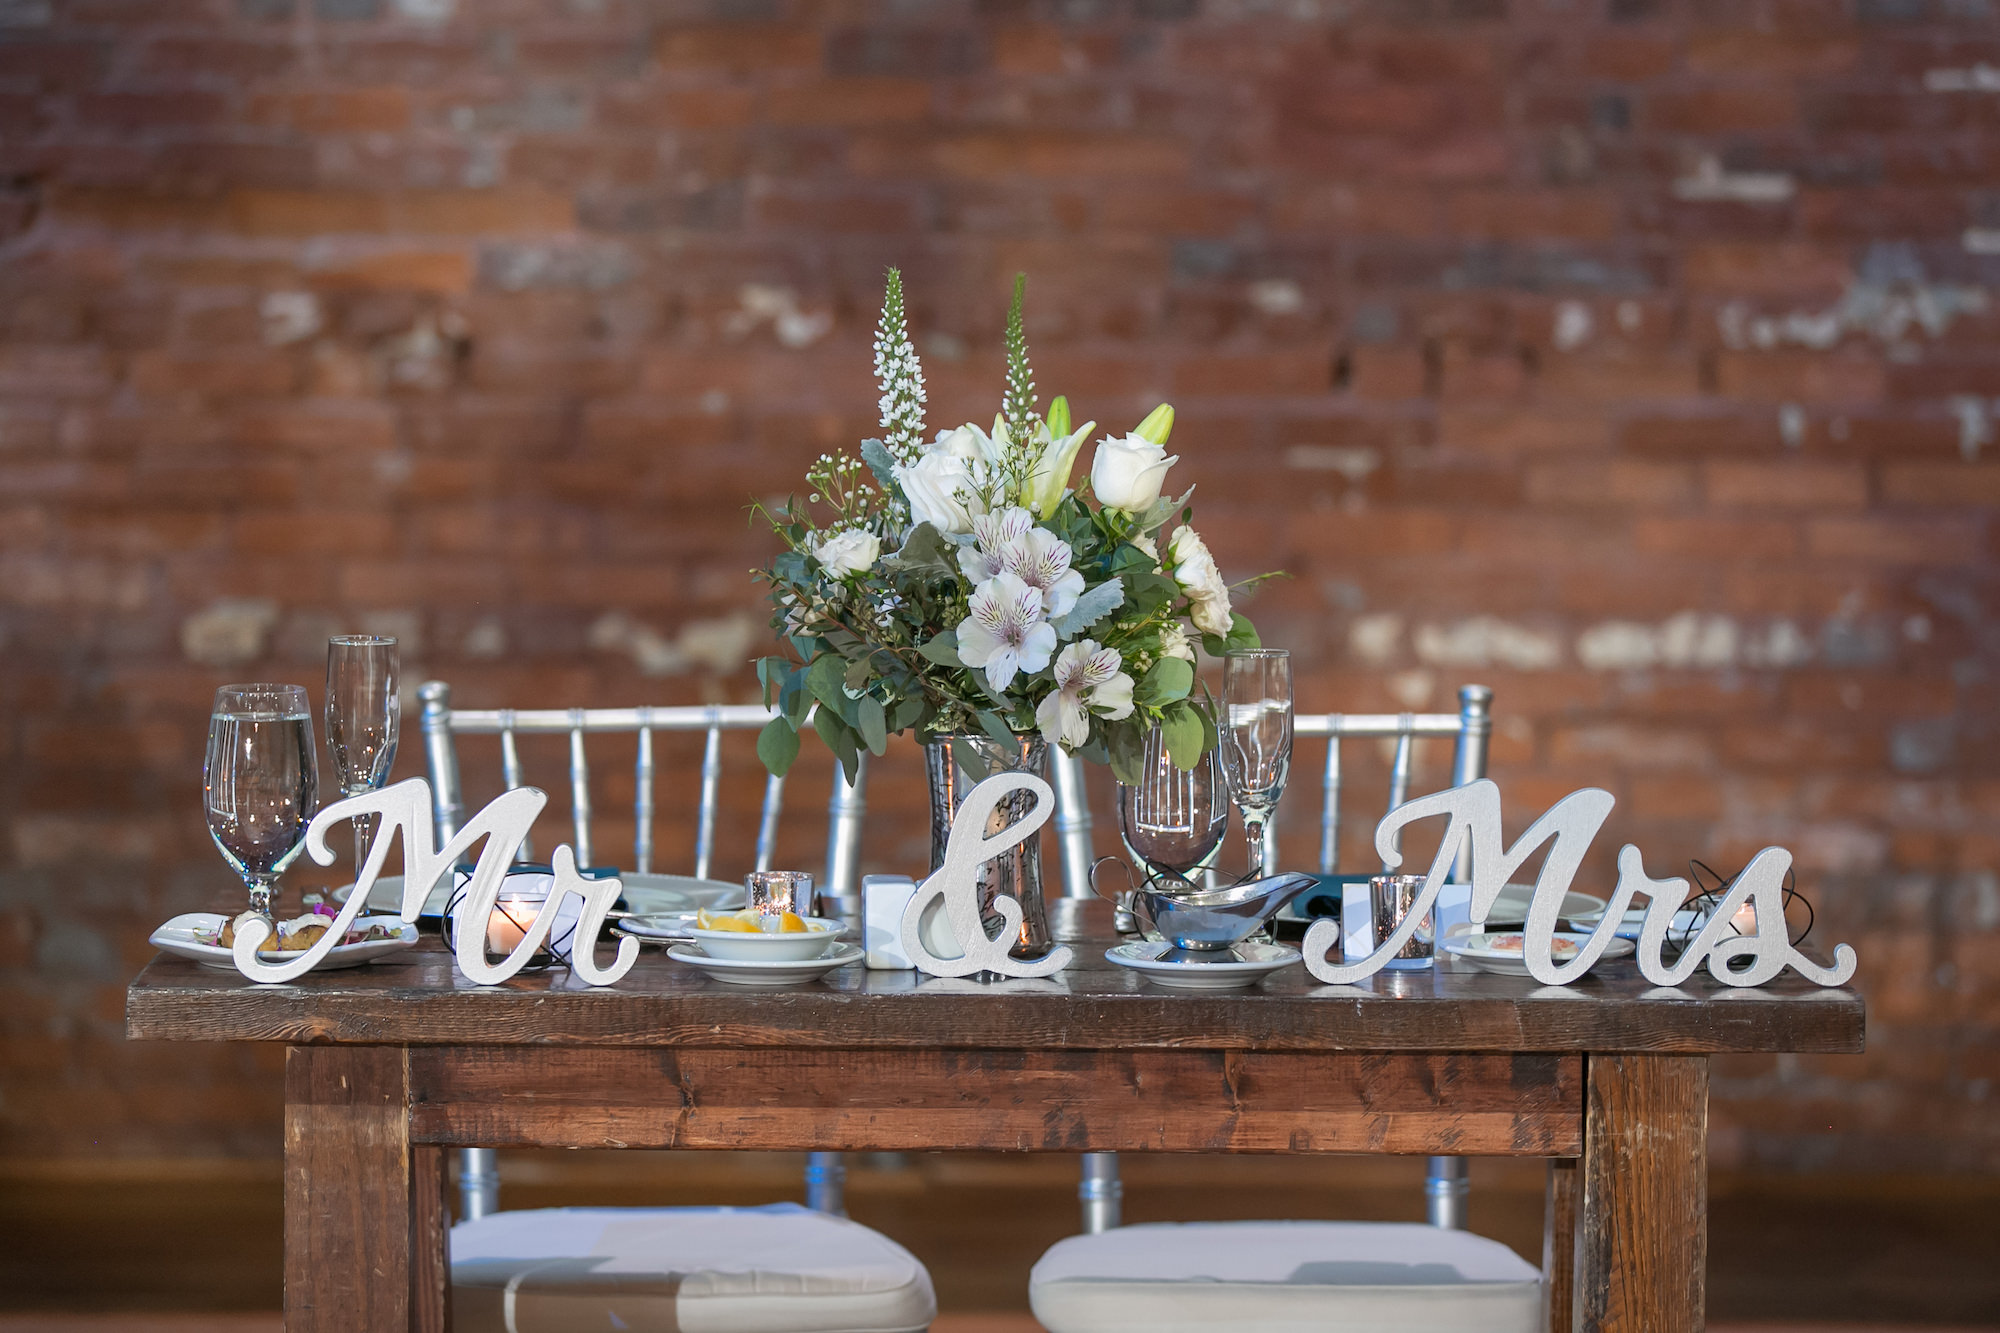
(419, 999)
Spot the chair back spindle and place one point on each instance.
(642, 799)
(711, 793)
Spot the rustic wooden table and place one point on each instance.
(390, 1066)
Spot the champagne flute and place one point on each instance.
(364, 713)
(260, 781)
(1174, 819)
(1257, 738)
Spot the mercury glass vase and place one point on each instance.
(1017, 872)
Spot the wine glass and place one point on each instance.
(364, 712)
(260, 781)
(1174, 818)
(1257, 738)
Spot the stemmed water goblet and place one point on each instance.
(1173, 819)
(260, 782)
(363, 717)
(1256, 739)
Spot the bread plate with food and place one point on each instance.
(1501, 953)
(208, 937)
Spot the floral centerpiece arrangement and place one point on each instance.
(960, 586)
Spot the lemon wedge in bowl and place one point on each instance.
(745, 938)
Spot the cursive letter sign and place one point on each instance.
(1474, 813)
(504, 825)
(957, 883)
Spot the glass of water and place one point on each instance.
(1256, 738)
(1173, 818)
(260, 781)
(364, 713)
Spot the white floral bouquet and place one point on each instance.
(960, 586)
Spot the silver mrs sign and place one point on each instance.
(1571, 824)
(957, 883)
(504, 825)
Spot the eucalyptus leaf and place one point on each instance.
(771, 673)
(858, 673)
(1242, 638)
(907, 712)
(794, 699)
(840, 739)
(967, 756)
(1125, 744)
(1146, 592)
(1181, 729)
(824, 677)
(874, 723)
(778, 746)
(1090, 608)
(941, 649)
(996, 727)
(1169, 680)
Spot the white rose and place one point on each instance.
(1195, 571)
(941, 490)
(1127, 474)
(1174, 643)
(968, 444)
(848, 552)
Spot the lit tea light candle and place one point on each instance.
(1744, 919)
(512, 919)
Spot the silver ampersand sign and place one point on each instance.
(957, 883)
(1474, 813)
(504, 825)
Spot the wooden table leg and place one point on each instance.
(364, 1210)
(1642, 1210)
(1559, 1245)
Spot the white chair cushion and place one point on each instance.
(1284, 1277)
(777, 1269)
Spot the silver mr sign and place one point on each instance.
(504, 825)
(1571, 824)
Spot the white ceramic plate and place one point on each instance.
(645, 894)
(1634, 918)
(1511, 907)
(178, 938)
(768, 945)
(1478, 949)
(658, 927)
(769, 972)
(1256, 961)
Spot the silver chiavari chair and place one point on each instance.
(1471, 727)
(1460, 1280)
(479, 1181)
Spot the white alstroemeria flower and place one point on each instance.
(1009, 542)
(1088, 680)
(1174, 642)
(1195, 571)
(1042, 561)
(1004, 631)
(996, 534)
(1127, 473)
(850, 551)
(943, 491)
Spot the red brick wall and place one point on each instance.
(1637, 357)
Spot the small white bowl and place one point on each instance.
(769, 946)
